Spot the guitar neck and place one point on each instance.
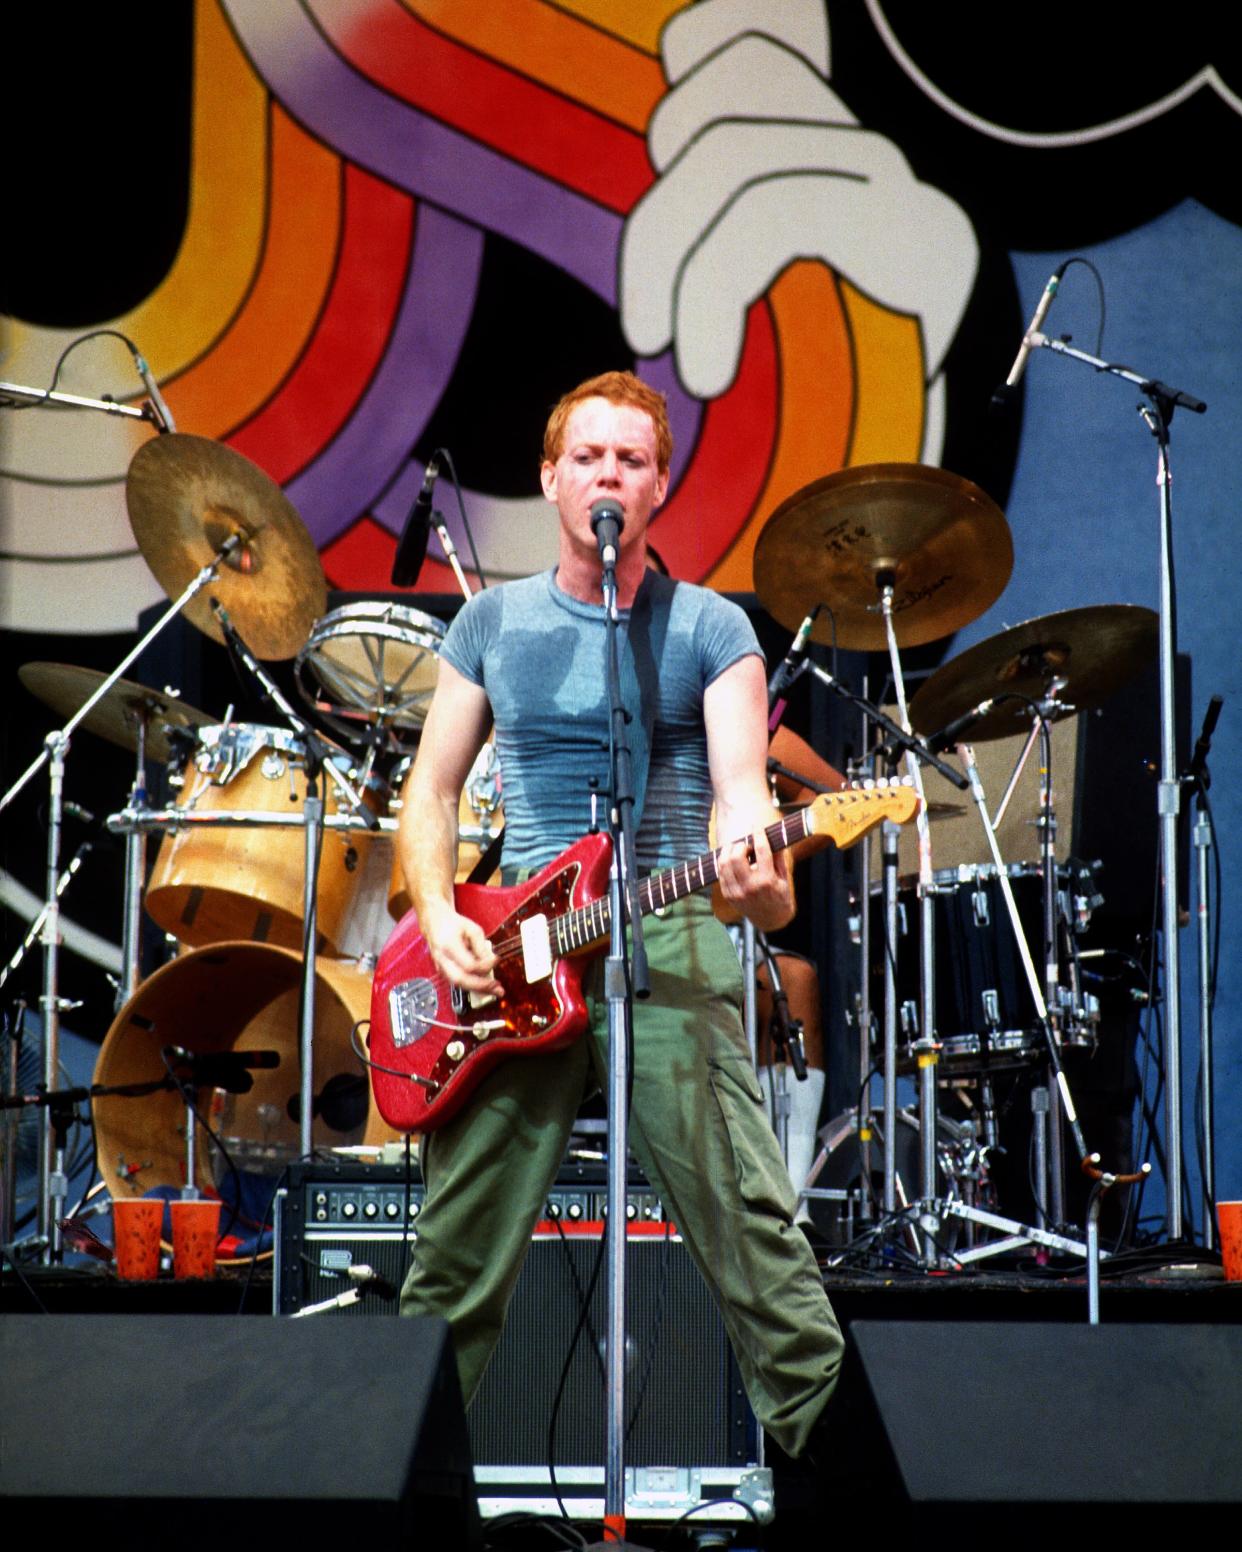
(590, 924)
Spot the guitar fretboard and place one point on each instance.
(589, 924)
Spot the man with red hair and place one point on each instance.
(527, 658)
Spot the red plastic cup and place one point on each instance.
(195, 1230)
(1229, 1219)
(136, 1224)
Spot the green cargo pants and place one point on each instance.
(699, 1132)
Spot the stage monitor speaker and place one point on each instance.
(1101, 1418)
(682, 1380)
(203, 1430)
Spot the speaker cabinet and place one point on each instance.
(1104, 1418)
(682, 1383)
(202, 1430)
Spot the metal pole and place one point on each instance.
(1203, 846)
(48, 1219)
(312, 810)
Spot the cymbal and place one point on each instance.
(66, 689)
(945, 544)
(186, 496)
(1094, 649)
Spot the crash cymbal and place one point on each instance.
(66, 689)
(945, 544)
(1095, 650)
(186, 495)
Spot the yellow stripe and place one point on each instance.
(888, 347)
(245, 366)
(194, 302)
(816, 388)
(543, 43)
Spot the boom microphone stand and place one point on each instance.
(1157, 414)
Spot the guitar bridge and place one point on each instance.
(411, 1010)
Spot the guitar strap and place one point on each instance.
(640, 674)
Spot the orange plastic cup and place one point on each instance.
(136, 1224)
(1229, 1219)
(195, 1230)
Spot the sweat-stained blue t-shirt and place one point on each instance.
(539, 655)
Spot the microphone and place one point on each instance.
(1005, 392)
(412, 548)
(949, 733)
(76, 811)
(162, 417)
(229, 1070)
(787, 670)
(607, 521)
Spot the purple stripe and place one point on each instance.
(397, 142)
(408, 384)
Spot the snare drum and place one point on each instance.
(985, 1013)
(213, 883)
(372, 663)
(480, 818)
(233, 997)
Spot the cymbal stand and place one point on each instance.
(924, 1046)
(917, 750)
(135, 874)
(312, 817)
(1157, 414)
(55, 750)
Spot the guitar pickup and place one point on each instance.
(536, 949)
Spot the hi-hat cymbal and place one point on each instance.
(66, 689)
(944, 543)
(1095, 650)
(186, 496)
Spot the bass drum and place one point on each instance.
(232, 997)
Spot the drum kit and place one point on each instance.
(274, 900)
(892, 556)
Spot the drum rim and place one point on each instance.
(369, 613)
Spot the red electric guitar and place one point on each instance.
(431, 1043)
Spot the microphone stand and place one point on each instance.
(622, 982)
(1198, 778)
(1157, 415)
(55, 751)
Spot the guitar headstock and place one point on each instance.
(845, 817)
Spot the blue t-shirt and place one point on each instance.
(540, 656)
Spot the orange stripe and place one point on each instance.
(581, 63)
(249, 362)
(888, 347)
(816, 403)
(639, 22)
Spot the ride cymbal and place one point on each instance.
(66, 689)
(942, 542)
(186, 496)
(1094, 649)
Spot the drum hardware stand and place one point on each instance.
(787, 1051)
(1157, 414)
(55, 750)
(313, 820)
(916, 751)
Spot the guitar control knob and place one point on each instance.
(455, 1050)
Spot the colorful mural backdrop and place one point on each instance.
(399, 225)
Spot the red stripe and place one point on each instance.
(323, 390)
(360, 561)
(492, 104)
(730, 464)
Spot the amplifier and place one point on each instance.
(682, 1383)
